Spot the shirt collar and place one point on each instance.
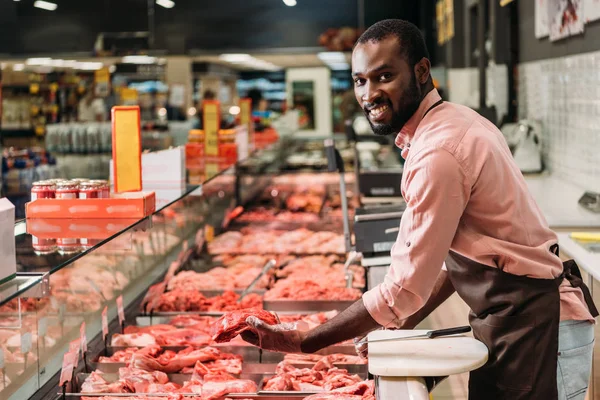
(408, 130)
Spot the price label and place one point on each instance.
(42, 327)
(120, 310)
(209, 233)
(83, 338)
(66, 373)
(1, 358)
(26, 342)
(105, 323)
(34, 88)
(74, 346)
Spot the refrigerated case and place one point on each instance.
(60, 296)
(42, 310)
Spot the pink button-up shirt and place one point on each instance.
(464, 192)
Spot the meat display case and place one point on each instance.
(58, 298)
(42, 310)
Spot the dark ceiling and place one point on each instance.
(192, 24)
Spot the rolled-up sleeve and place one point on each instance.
(436, 193)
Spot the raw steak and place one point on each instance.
(133, 339)
(232, 324)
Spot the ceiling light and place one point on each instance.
(45, 5)
(38, 61)
(138, 60)
(235, 58)
(166, 3)
(162, 112)
(18, 67)
(192, 111)
(234, 110)
(332, 56)
(289, 3)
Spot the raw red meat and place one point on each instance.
(232, 324)
(333, 396)
(319, 377)
(328, 360)
(133, 339)
(214, 390)
(307, 289)
(192, 300)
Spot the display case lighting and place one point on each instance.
(45, 5)
(235, 58)
(234, 110)
(18, 67)
(138, 60)
(166, 3)
(289, 3)
(339, 66)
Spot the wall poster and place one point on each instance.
(565, 18)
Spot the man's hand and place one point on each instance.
(283, 338)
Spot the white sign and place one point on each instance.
(163, 169)
(8, 266)
(43, 327)
(120, 310)
(104, 323)
(541, 18)
(592, 10)
(1, 358)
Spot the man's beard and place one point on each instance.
(410, 105)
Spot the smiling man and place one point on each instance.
(468, 208)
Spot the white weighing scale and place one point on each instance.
(400, 366)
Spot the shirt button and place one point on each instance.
(407, 244)
(408, 145)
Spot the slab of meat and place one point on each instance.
(320, 377)
(132, 340)
(310, 321)
(183, 337)
(231, 366)
(225, 243)
(328, 360)
(232, 324)
(121, 356)
(151, 329)
(219, 278)
(215, 390)
(192, 300)
(334, 396)
(307, 289)
(95, 383)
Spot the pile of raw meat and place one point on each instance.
(187, 361)
(182, 330)
(232, 324)
(261, 241)
(193, 300)
(330, 360)
(320, 378)
(309, 289)
(235, 277)
(134, 380)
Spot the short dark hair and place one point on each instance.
(410, 37)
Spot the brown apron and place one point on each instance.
(517, 318)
